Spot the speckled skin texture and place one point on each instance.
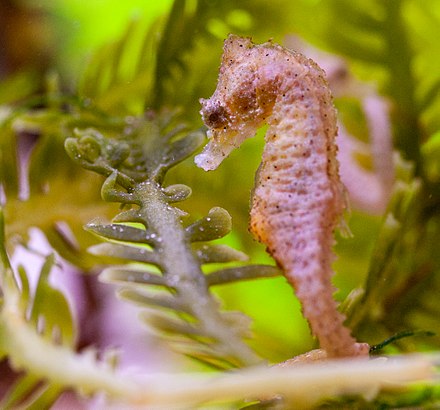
(298, 198)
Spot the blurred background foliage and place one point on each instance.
(97, 62)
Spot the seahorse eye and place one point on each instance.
(215, 117)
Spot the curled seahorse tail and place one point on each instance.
(321, 311)
(302, 244)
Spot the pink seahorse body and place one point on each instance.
(298, 198)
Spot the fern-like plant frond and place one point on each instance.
(164, 256)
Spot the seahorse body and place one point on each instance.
(298, 198)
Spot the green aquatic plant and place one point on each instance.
(151, 233)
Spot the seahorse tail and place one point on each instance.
(321, 311)
(306, 257)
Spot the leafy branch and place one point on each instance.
(168, 254)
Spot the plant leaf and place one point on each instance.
(213, 226)
(240, 273)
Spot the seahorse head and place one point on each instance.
(240, 103)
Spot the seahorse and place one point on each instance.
(298, 197)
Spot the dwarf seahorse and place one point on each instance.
(298, 198)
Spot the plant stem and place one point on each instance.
(183, 272)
